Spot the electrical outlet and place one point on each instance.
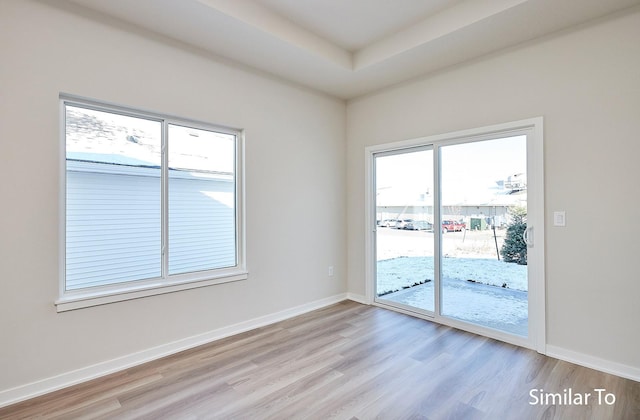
(330, 271)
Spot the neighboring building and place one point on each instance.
(490, 205)
(93, 187)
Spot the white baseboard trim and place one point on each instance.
(358, 298)
(592, 362)
(64, 380)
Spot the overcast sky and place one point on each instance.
(468, 171)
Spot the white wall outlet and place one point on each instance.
(559, 218)
(330, 271)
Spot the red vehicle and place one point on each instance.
(453, 226)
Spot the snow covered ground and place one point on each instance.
(397, 273)
(483, 291)
(490, 306)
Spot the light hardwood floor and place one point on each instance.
(346, 361)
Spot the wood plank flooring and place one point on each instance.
(346, 361)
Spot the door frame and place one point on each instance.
(533, 128)
(396, 305)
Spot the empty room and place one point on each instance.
(310, 209)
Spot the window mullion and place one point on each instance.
(165, 199)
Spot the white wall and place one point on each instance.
(295, 191)
(586, 85)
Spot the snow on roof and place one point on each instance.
(104, 137)
(110, 158)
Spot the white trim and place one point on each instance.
(369, 226)
(85, 298)
(437, 234)
(64, 380)
(592, 362)
(536, 260)
(164, 198)
(62, 199)
(487, 132)
(358, 298)
(241, 213)
(533, 128)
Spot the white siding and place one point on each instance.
(201, 224)
(114, 224)
(113, 227)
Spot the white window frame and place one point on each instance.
(534, 129)
(100, 295)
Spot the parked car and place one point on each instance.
(453, 226)
(419, 225)
(389, 223)
(400, 224)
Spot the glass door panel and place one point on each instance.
(404, 232)
(483, 193)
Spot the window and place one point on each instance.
(152, 204)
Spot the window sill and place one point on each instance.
(118, 293)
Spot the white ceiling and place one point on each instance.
(348, 48)
(354, 24)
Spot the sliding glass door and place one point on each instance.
(404, 239)
(453, 234)
(483, 210)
